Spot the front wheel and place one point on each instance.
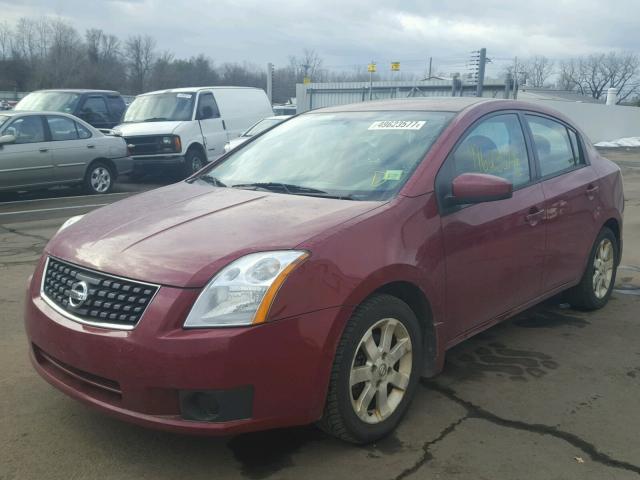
(375, 371)
(98, 179)
(194, 160)
(596, 285)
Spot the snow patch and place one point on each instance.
(621, 142)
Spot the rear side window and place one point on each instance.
(207, 107)
(555, 145)
(27, 129)
(495, 146)
(82, 131)
(62, 128)
(117, 106)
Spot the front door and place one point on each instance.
(211, 125)
(28, 160)
(494, 251)
(571, 191)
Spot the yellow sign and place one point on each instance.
(395, 66)
(306, 80)
(371, 68)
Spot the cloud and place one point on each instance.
(352, 32)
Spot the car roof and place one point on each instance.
(442, 104)
(195, 89)
(78, 90)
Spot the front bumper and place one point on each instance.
(145, 163)
(144, 375)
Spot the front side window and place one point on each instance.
(62, 128)
(495, 146)
(552, 141)
(354, 155)
(207, 107)
(161, 107)
(26, 130)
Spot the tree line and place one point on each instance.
(590, 75)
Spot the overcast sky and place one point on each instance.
(352, 32)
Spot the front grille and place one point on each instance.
(95, 298)
(148, 145)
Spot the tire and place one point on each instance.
(194, 160)
(340, 417)
(99, 178)
(596, 285)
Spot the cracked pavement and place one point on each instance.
(550, 394)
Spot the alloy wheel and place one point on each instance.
(603, 268)
(380, 370)
(100, 179)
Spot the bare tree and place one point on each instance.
(140, 54)
(538, 70)
(6, 33)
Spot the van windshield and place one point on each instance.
(161, 107)
(49, 102)
(347, 155)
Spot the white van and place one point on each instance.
(188, 127)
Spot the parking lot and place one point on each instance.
(551, 394)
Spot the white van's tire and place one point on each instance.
(194, 160)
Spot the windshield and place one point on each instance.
(49, 102)
(353, 155)
(262, 125)
(160, 107)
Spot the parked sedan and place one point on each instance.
(42, 149)
(256, 129)
(315, 274)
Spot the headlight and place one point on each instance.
(242, 292)
(70, 222)
(167, 140)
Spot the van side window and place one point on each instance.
(554, 146)
(207, 107)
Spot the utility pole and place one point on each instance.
(515, 78)
(430, 62)
(270, 82)
(482, 60)
(372, 68)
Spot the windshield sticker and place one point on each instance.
(184, 95)
(397, 125)
(393, 174)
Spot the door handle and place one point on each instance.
(91, 146)
(224, 125)
(534, 216)
(44, 150)
(592, 190)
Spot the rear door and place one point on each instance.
(494, 251)
(70, 151)
(211, 125)
(95, 112)
(570, 187)
(28, 161)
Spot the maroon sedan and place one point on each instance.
(316, 272)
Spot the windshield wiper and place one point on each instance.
(291, 189)
(155, 119)
(208, 179)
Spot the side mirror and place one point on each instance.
(479, 187)
(6, 139)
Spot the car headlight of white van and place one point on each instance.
(243, 291)
(70, 222)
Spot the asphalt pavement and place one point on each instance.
(551, 394)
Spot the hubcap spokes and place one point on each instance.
(100, 179)
(603, 268)
(380, 370)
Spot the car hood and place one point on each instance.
(146, 128)
(181, 235)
